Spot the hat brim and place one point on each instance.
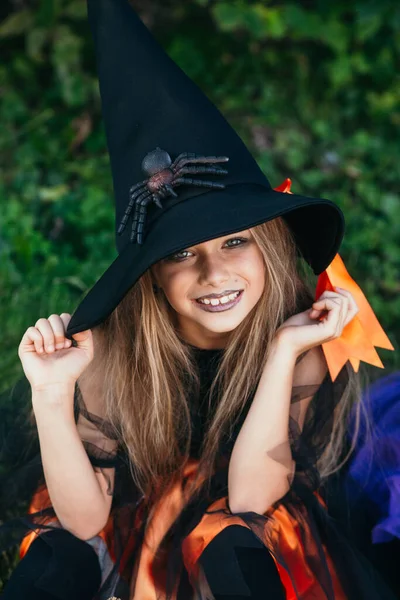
(317, 224)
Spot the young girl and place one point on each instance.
(136, 382)
(190, 410)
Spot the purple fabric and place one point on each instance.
(374, 471)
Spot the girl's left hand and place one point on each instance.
(304, 330)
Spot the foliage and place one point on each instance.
(312, 87)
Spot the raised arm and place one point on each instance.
(78, 494)
(261, 465)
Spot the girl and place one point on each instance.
(190, 409)
(270, 475)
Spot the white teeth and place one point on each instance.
(223, 300)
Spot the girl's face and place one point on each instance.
(226, 273)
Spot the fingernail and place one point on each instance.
(50, 348)
(60, 345)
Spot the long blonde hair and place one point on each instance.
(148, 372)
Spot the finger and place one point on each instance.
(32, 340)
(353, 306)
(47, 332)
(315, 314)
(330, 294)
(57, 325)
(342, 298)
(342, 313)
(66, 317)
(318, 306)
(321, 302)
(37, 338)
(351, 313)
(333, 318)
(83, 338)
(347, 304)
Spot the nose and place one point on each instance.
(213, 271)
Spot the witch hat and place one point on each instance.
(174, 187)
(154, 114)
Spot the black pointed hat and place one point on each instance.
(169, 148)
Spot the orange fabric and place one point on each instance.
(362, 333)
(40, 501)
(281, 528)
(284, 532)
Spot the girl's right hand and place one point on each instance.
(48, 357)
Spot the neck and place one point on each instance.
(204, 341)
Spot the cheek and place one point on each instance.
(253, 271)
(175, 286)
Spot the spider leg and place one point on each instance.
(142, 210)
(157, 200)
(168, 188)
(187, 157)
(198, 183)
(135, 191)
(218, 168)
(199, 170)
(183, 155)
(137, 185)
(146, 194)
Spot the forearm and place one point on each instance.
(81, 504)
(261, 460)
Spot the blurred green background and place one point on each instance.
(312, 87)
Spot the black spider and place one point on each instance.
(164, 175)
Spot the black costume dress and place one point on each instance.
(296, 550)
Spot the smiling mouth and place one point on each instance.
(221, 300)
(220, 304)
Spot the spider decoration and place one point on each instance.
(163, 176)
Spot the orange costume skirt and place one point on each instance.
(281, 533)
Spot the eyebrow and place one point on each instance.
(237, 234)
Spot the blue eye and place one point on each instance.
(176, 258)
(237, 239)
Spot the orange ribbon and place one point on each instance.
(362, 333)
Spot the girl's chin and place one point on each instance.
(212, 323)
